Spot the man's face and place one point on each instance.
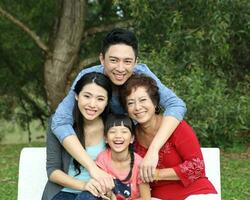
(118, 62)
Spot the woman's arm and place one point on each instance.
(188, 148)
(74, 147)
(144, 192)
(63, 179)
(165, 174)
(54, 164)
(149, 163)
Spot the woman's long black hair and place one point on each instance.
(122, 120)
(102, 81)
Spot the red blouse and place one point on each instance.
(182, 153)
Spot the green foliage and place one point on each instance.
(218, 113)
(209, 34)
(21, 72)
(198, 48)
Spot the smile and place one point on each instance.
(119, 76)
(140, 114)
(90, 111)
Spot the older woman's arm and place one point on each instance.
(144, 192)
(192, 167)
(147, 168)
(166, 174)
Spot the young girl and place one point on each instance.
(67, 179)
(121, 161)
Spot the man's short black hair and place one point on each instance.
(120, 36)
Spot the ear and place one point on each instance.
(76, 97)
(136, 60)
(101, 58)
(132, 139)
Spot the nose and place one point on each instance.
(137, 105)
(118, 134)
(120, 66)
(92, 103)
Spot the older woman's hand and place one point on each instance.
(148, 166)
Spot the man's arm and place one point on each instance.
(62, 121)
(169, 101)
(174, 111)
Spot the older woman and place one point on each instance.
(180, 172)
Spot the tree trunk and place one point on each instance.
(65, 49)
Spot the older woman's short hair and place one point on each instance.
(141, 80)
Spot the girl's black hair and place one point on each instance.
(122, 120)
(101, 80)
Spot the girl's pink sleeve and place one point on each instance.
(100, 160)
(188, 147)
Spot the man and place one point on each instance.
(118, 59)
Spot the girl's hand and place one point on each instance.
(103, 178)
(148, 166)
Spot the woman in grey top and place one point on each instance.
(67, 178)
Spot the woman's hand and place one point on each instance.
(148, 166)
(103, 178)
(109, 196)
(94, 187)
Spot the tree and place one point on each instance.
(63, 49)
(197, 48)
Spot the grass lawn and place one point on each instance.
(234, 171)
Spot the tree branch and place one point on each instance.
(38, 111)
(87, 62)
(107, 27)
(84, 63)
(31, 33)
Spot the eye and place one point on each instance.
(100, 99)
(142, 100)
(111, 132)
(125, 131)
(113, 60)
(130, 103)
(128, 62)
(86, 96)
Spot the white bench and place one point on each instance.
(33, 177)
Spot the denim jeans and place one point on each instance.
(87, 195)
(64, 196)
